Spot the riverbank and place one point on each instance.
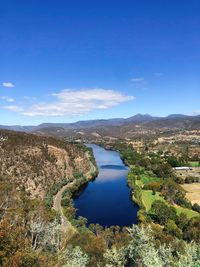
(70, 187)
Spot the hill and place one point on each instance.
(37, 162)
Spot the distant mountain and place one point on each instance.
(82, 124)
(119, 127)
(176, 121)
(140, 118)
(18, 128)
(177, 116)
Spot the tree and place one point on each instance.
(182, 220)
(45, 236)
(162, 212)
(172, 229)
(192, 230)
(74, 257)
(196, 207)
(191, 257)
(115, 257)
(141, 250)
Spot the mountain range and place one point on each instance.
(118, 127)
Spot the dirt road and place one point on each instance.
(66, 225)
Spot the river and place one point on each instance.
(107, 199)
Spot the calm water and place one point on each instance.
(107, 199)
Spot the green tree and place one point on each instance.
(172, 229)
(162, 212)
(141, 250)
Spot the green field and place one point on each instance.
(188, 212)
(194, 163)
(148, 198)
(146, 179)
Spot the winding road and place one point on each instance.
(66, 226)
(57, 206)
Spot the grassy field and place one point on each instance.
(188, 212)
(146, 178)
(148, 198)
(194, 163)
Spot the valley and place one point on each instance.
(99, 133)
(60, 195)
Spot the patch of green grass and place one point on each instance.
(148, 198)
(147, 178)
(188, 212)
(194, 163)
(139, 183)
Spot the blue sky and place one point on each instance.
(63, 61)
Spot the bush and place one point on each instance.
(196, 207)
(54, 190)
(172, 229)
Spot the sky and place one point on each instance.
(70, 60)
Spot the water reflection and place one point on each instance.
(114, 167)
(107, 199)
(106, 175)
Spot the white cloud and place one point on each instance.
(8, 99)
(13, 108)
(137, 80)
(8, 84)
(71, 102)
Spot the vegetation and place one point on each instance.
(194, 163)
(54, 190)
(31, 233)
(156, 191)
(148, 198)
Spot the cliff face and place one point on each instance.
(37, 162)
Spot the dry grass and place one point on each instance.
(37, 162)
(193, 192)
